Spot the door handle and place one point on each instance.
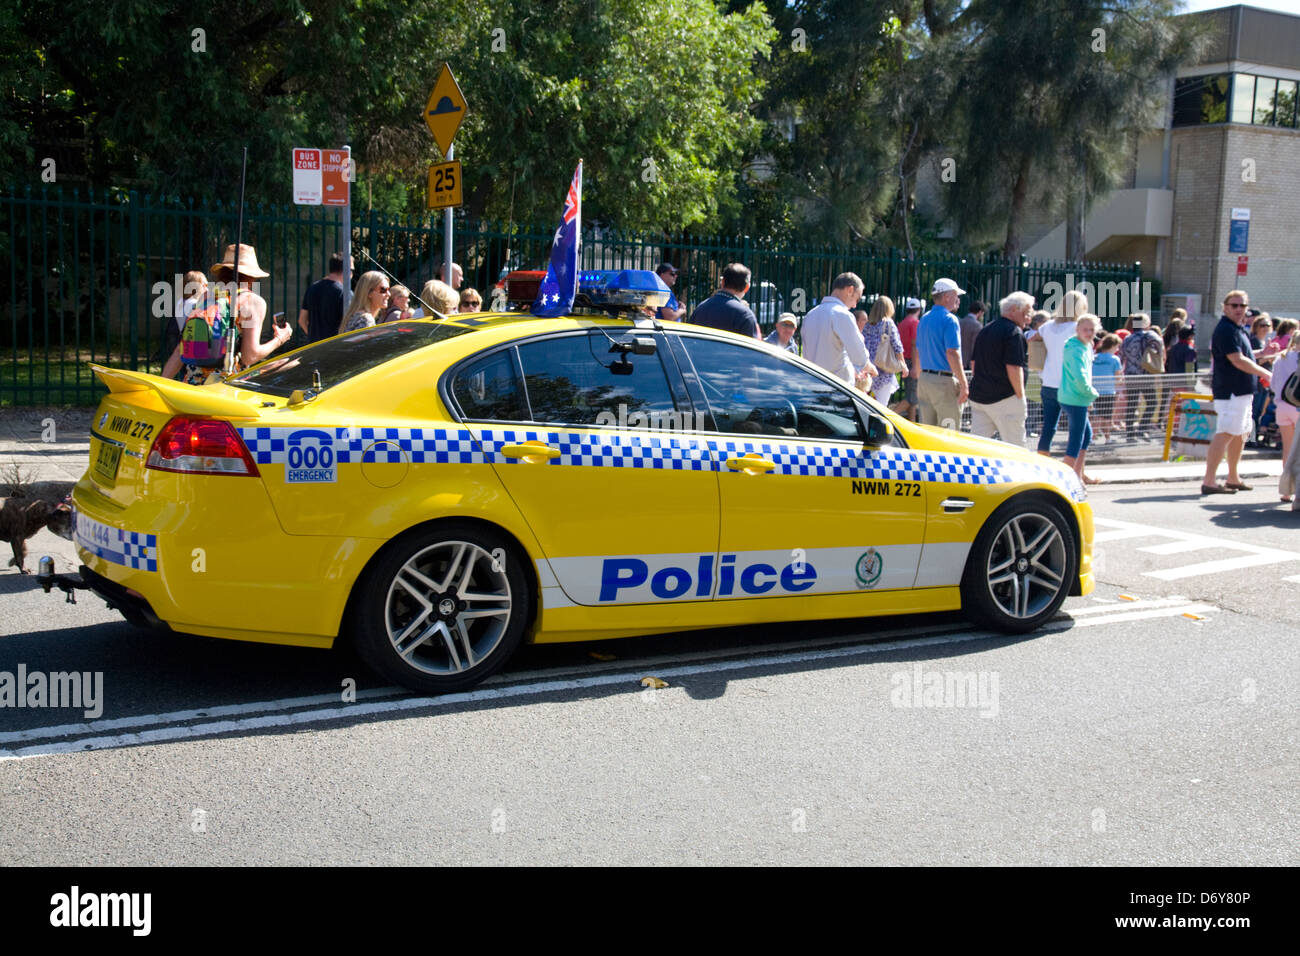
(956, 505)
(531, 452)
(750, 464)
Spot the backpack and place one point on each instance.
(1153, 356)
(203, 340)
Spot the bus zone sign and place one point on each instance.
(321, 177)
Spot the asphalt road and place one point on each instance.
(1160, 730)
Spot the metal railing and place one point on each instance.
(92, 277)
(1131, 420)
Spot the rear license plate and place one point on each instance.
(107, 458)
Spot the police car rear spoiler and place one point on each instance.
(179, 398)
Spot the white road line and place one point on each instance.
(179, 716)
(1176, 611)
(1293, 579)
(1101, 537)
(628, 675)
(1255, 555)
(1177, 547)
(1112, 608)
(1218, 567)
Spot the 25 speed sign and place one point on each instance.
(444, 185)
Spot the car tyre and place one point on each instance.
(442, 607)
(1021, 566)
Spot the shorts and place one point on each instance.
(1287, 414)
(1234, 415)
(909, 391)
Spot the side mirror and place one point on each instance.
(879, 432)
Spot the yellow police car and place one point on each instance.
(439, 491)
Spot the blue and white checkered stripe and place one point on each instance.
(131, 549)
(270, 446)
(674, 452)
(670, 451)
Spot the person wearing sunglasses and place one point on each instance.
(470, 301)
(1233, 383)
(368, 301)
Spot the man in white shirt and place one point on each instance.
(830, 335)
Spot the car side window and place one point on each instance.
(576, 380)
(489, 389)
(753, 392)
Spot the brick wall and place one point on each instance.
(1206, 168)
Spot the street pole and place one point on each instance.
(446, 233)
(346, 226)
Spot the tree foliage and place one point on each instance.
(808, 119)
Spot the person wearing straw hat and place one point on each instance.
(250, 315)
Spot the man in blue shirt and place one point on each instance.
(942, 386)
(1233, 384)
(726, 308)
(674, 310)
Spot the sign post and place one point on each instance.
(443, 113)
(323, 177)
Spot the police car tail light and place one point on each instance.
(203, 446)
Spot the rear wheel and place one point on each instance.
(1021, 566)
(442, 608)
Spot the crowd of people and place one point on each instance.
(207, 313)
(926, 365)
(931, 363)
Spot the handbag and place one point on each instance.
(1037, 353)
(1291, 390)
(886, 359)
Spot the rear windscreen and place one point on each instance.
(339, 358)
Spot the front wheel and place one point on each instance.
(442, 608)
(1020, 568)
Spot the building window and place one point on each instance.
(1255, 100)
(1286, 103)
(1199, 100)
(1243, 98)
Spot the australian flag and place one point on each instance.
(555, 297)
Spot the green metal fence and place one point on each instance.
(93, 277)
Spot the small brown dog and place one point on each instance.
(22, 517)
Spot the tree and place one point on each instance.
(1049, 98)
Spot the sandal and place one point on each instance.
(1091, 481)
(1217, 490)
(1238, 486)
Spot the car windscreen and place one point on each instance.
(338, 359)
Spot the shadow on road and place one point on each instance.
(149, 675)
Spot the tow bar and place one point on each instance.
(66, 583)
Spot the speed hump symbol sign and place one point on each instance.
(444, 185)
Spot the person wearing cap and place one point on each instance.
(1141, 384)
(673, 310)
(942, 387)
(830, 334)
(907, 335)
(782, 337)
(250, 315)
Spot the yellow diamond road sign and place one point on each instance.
(445, 109)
